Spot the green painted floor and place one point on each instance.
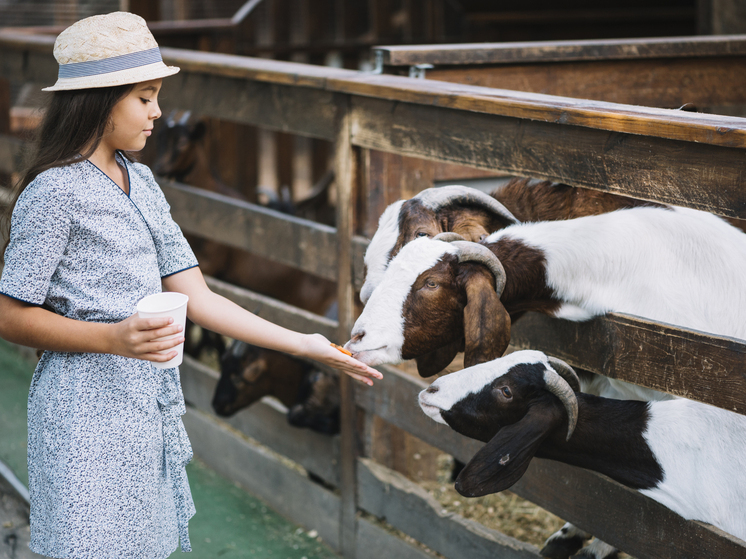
(229, 522)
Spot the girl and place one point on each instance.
(91, 235)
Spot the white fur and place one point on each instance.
(384, 330)
(455, 387)
(702, 450)
(679, 266)
(377, 254)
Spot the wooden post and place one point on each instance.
(345, 173)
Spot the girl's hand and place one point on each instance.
(318, 348)
(141, 338)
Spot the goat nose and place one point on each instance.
(432, 389)
(358, 336)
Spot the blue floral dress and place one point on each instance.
(106, 444)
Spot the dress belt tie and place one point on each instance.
(177, 449)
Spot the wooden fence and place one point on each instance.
(689, 159)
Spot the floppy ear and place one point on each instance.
(432, 363)
(504, 459)
(486, 322)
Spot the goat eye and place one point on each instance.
(431, 284)
(506, 392)
(421, 234)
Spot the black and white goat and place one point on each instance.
(686, 455)
(673, 265)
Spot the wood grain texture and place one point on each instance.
(543, 51)
(408, 507)
(684, 362)
(665, 83)
(301, 243)
(688, 173)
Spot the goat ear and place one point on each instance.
(486, 322)
(504, 459)
(432, 363)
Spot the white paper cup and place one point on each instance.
(168, 303)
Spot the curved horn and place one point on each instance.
(448, 237)
(436, 198)
(560, 388)
(474, 252)
(566, 372)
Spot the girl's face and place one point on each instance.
(132, 118)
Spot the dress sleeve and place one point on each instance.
(173, 250)
(39, 233)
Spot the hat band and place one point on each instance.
(113, 64)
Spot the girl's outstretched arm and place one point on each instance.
(216, 313)
(39, 328)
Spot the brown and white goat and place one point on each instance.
(673, 265)
(474, 215)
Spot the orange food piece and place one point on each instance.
(343, 350)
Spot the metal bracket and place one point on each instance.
(418, 70)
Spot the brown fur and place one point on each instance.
(454, 307)
(531, 200)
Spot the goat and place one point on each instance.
(674, 265)
(474, 214)
(683, 454)
(248, 373)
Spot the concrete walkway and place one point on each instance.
(229, 522)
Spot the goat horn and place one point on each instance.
(448, 237)
(566, 372)
(474, 252)
(185, 117)
(436, 198)
(560, 388)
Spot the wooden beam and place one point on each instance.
(408, 507)
(544, 51)
(689, 173)
(684, 362)
(345, 172)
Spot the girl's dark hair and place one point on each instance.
(72, 128)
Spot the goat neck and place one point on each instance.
(608, 439)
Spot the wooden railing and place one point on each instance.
(687, 159)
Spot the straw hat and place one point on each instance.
(107, 50)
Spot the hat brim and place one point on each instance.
(111, 79)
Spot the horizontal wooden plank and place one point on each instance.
(684, 362)
(276, 311)
(571, 493)
(303, 244)
(374, 543)
(408, 507)
(716, 130)
(701, 176)
(707, 84)
(285, 490)
(266, 422)
(627, 119)
(269, 105)
(543, 51)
